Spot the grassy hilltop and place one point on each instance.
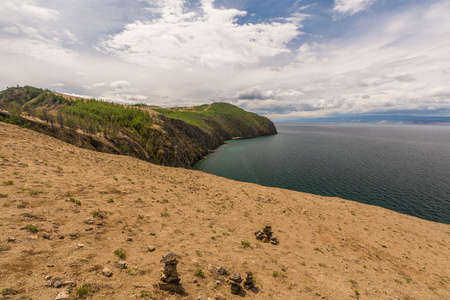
(172, 137)
(70, 215)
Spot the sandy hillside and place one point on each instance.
(329, 248)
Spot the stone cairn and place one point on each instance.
(170, 278)
(235, 281)
(248, 283)
(266, 236)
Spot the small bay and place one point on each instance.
(405, 168)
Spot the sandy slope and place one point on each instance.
(329, 248)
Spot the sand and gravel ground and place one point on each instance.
(85, 205)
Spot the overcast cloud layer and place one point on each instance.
(288, 61)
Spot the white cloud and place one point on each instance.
(351, 7)
(48, 51)
(209, 37)
(120, 84)
(26, 29)
(20, 10)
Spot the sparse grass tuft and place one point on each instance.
(200, 273)
(145, 294)
(3, 195)
(245, 244)
(120, 253)
(9, 291)
(31, 228)
(110, 200)
(77, 202)
(5, 247)
(33, 192)
(22, 204)
(9, 182)
(276, 274)
(84, 290)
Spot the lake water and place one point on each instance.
(403, 168)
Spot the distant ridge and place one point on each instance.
(176, 137)
(381, 119)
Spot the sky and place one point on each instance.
(285, 59)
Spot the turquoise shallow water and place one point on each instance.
(403, 168)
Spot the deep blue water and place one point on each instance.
(403, 168)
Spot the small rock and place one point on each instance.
(195, 280)
(218, 282)
(219, 297)
(107, 272)
(80, 245)
(11, 239)
(200, 298)
(89, 221)
(61, 237)
(48, 277)
(274, 241)
(69, 283)
(57, 284)
(45, 235)
(50, 265)
(152, 233)
(121, 264)
(151, 248)
(63, 295)
(129, 239)
(222, 271)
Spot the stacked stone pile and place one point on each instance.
(266, 235)
(235, 281)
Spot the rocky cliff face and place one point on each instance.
(152, 134)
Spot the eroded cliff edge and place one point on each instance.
(176, 137)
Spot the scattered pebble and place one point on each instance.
(107, 272)
(121, 264)
(11, 239)
(151, 248)
(69, 283)
(222, 271)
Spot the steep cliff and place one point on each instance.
(176, 137)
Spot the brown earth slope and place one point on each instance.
(329, 248)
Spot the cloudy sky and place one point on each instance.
(287, 59)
